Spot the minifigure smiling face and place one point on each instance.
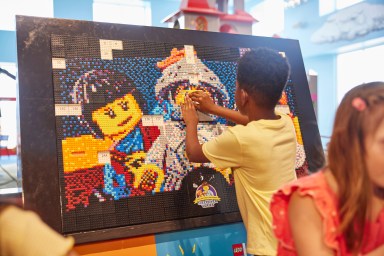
(118, 118)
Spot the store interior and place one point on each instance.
(341, 44)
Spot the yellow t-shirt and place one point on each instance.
(262, 155)
(23, 233)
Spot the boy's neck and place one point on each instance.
(255, 113)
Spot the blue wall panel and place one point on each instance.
(217, 240)
(73, 9)
(8, 46)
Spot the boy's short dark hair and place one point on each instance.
(263, 73)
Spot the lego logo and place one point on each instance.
(236, 250)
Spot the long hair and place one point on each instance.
(359, 114)
(99, 87)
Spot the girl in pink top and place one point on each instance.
(340, 209)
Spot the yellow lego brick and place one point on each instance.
(296, 124)
(180, 97)
(82, 152)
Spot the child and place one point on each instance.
(340, 210)
(22, 233)
(261, 152)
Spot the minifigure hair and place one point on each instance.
(263, 73)
(108, 85)
(360, 113)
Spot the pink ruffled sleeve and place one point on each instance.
(314, 186)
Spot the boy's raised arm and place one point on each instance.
(206, 104)
(193, 148)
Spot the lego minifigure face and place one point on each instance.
(119, 117)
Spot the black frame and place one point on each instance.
(37, 112)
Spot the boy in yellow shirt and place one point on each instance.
(260, 149)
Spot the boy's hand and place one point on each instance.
(204, 100)
(189, 112)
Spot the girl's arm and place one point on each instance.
(307, 227)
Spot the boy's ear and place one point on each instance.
(244, 97)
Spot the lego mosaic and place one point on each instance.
(121, 136)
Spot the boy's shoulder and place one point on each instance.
(238, 128)
(283, 126)
(283, 121)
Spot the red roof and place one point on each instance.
(240, 16)
(203, 4)
(194, 6)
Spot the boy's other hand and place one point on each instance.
(204, 100)
(189, 112)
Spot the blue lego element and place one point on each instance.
(164, 109)
(110, 175)
(291, 98)
(133, 142)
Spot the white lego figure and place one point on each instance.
(183, 71)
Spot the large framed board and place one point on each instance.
(102, 137)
